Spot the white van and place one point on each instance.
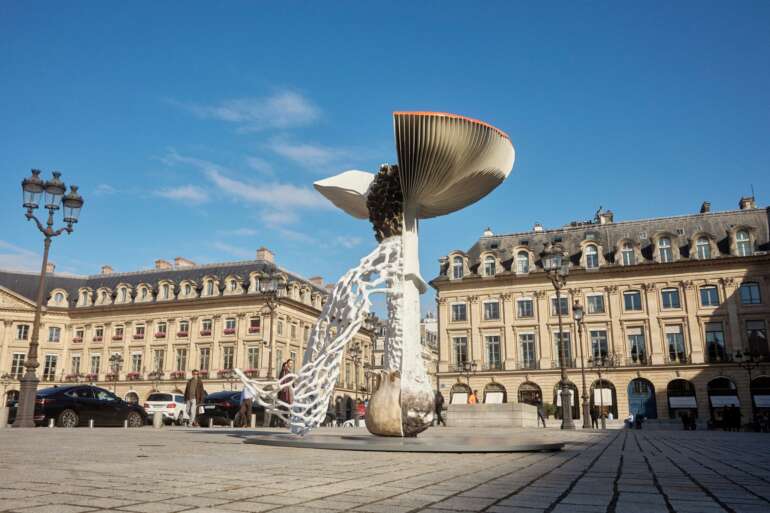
(171, 405)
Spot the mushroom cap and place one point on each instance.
(447, 162)
(347, 191)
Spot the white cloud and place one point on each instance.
(239, 232)
(347, 241)
(260, 165)
(235, 251)
(312, 156)
(186, 193)
(14, 258)
(283, 109)
(104, 189)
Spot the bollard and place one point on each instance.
(157, 420)
(91, 423)
(51, 423)
(125, 424)
(253, 422)
(211, 422)
(232, 424)
(4, 412)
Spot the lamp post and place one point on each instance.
(577, 314)
(53, 191)
(601, 363)
(749, 361)
(116, 362)
(469, 367)
(271, 287)
(556, 265)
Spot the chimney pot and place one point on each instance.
(162, 264)
(318, 281)
(182, 262)
(265, 255)
(538, 227)
(106, 269)
(747, 202)
(705, 207)
(50, 267)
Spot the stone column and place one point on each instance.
(544, 342)
(616, 344)
(692, 331)
(215, 362)
(733, 331)
(656, 347)
(5, 344)
(475, 348)
(444, 343)
(510, 354)
(170, 362)
(240, 335)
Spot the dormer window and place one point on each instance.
(209, 288)
(457, 267)
(743, 243)
(84, 298)
(233, 285)
(165, 291)
(187, 289)
(122, 294)
(58, 298)
(664, 250)
(489, 266)
(592, 257)
(703, 248)
(144, 293)
(522, 262)
(627, 252)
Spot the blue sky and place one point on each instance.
(197, 131)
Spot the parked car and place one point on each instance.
(75, 405)
(171, 405)
(223, 406)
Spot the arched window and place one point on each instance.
(743, 243)
(210, 288)
(489, 266)
(627, 251)
(457, 267)
(703, 248)
(187, 289)
(84, 297)
(233, 285)
(664, 250)
(592, 257)
(58, 298)
(144, 293)
(522, 262)
(123, 294)
(165, 291)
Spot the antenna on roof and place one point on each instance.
(752, 190)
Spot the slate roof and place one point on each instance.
(25, 283)
(680, 229)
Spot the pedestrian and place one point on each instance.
(438, 404)
(594, 419)
(736, 417)
(540, 412)
(193, 396)
(360, 412)
(243, 416)
(473, 398)
(285, 393)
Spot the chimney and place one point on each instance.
(180, 262)
(538, 227)
(747, 202)
(606, 217)
(106, 269)
(488, 232)
(265, 255)
(329, 288)
(50, 267)
(162, 264)
(318, 281)
(705, 207)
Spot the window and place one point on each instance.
(144, 293)
(233, 285)
(632, 301)
(122, 295)
(279, 328)
(278, 360)
(460, 350)
(206, 327)
(75, 364)
(743, 243)
(670, 298)
(187, 289)
(595, 304)
(293, 331)
(627, 251)
(491, 310)
(254, 325)
(139, 331)
(181, 359)
(563, 304)
(184, 327)
(709, 296)
(489, 266)
(522, 262)
(158, 357)
(592, 257)
(49, 367)
(494, 360)
(636, 345)
(599, 347)
(118, 332)
(525, 308)
(17, 365)
(165, 290)
(675, 344)
(79, 335)
(664, 250)
(22, 332)
(230, 325)
(457, 267)
(703, 248)
(459, 312)
(54, 334)
(58, 298)
(96, 361)
(209, 288)
(136, 362)
(715, 342)
(228, 354)
(162, 328)
(252, 357)
(528, 355)
(99, 332)
(204, 358)
(293, 357)
(564, 349)
(756, 334)
(749, 293)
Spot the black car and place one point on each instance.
(223, 406)
(75, 405)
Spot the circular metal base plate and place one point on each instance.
(448, 444)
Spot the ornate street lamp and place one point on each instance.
(116, 362)
(271, 287)
(601, 363)
(556, 265)
(52, 191)
(469, 368)
(749, 361)
(577, 314)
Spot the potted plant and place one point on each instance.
(178, 374)
(133, 376)
(229, 331)
(160, 334)
(155, 375)
(203, 373)
(252, 373)
(91, 376)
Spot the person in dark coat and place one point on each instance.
(540, 412)
(193, 396)
(285, 394)
(438, 404)
(594, 418)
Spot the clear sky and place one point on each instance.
(196, 129)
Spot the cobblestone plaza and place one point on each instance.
(213, 471)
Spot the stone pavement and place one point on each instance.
(213, 471)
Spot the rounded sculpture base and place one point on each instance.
(439, 444)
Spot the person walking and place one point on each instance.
(540, 412)
(438, 405)
(594, 419)
(243, 416)
(473, 398)
(193, 396)
(284, 394)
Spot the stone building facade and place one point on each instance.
(668, 302)
(163, 323)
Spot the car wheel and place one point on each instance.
(134, 420)
(68, 419)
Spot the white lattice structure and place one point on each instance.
(379, 272)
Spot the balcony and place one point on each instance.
(205, 333)
(251, 373)
(528, 365)
(73, 377)
(569, 364)
(111, 377)
(681, 359)
(155, 375)
(139, 336)
(134, 376)
(160, 334)
(97, 338)
(229, 331)
(178, 375)
(637, 361)
(254, 329)
(182, 334)
(117, 337)
(203, 373)
(92, 377)
(77, 340)
(493, 366)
